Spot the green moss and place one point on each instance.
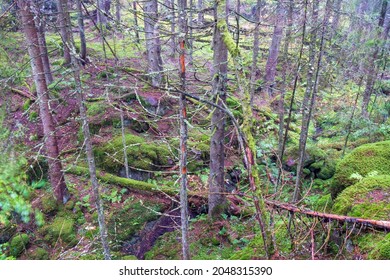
(255, 249)
(141, 155)
(18, 244)
(39, 254)
(368, 198)
(129, 258)
(96, 108)
(165, 248)
(62, 229)
(383, 249)
(49, 204)
(374, 245)
(362, 160)
(124, 223)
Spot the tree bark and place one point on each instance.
(103, 8)
(200, 12)
(89, 152)
(272, 61)
(40, 23)
(256, 48)
(373, 65)
(153, 46)
(56, 174)
(63, 23)
(183, 28)
(217, 201)
(312, 94)
(83, 43)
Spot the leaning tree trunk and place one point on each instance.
(63, 23)
(182, 6)
(56, 174)
(272, 61)
(153, 46)
(217, 200)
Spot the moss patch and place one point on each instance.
(369, 198)
(362, 160)
(62, 229)
(124, 223)
(18, 244)
(141, 155)
(39, 254)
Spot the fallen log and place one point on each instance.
(326, 216)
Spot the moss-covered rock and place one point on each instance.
(369, 198)
(49, 204)
(362, 160)
(18, 244)
(124, 223)
(39, 254)
(141, 154)
(61, 229)
(383, 249)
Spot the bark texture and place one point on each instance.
(56, 174)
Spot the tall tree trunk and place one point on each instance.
(40, 23)
(256, 48)
(200, 12)
(272, 61)
(118, 7)
(83, 43)
(89, 152)
(216, 199)
(311, 93)
(63, 23)
(56, 174)
(153, 46)
(246, 139)
(183, 28)
(286, 63)
(172, 15)
(135, 11)
(373, 65)
(102, 12)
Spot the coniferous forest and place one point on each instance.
(204, 130)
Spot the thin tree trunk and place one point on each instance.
(217, 201)
(284, 84)
(56, 174)
(256, 48)
(182, 6)
(312, 96)
(297, 71)
(101, 13)
(63, 23)
(89, 152)
(373, 67)
(83, 43)
(118, 7)
(171, 6)
(272, 61)
(153, 46)
(135, 4)
(200, 12)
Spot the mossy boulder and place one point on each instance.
(123, 224)
(39, 254)
(49, 204)
(383, 249)
(362, 160)
(375, 246)
(18, 244)
(369, 198)
(61, 229)
(141, 154)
